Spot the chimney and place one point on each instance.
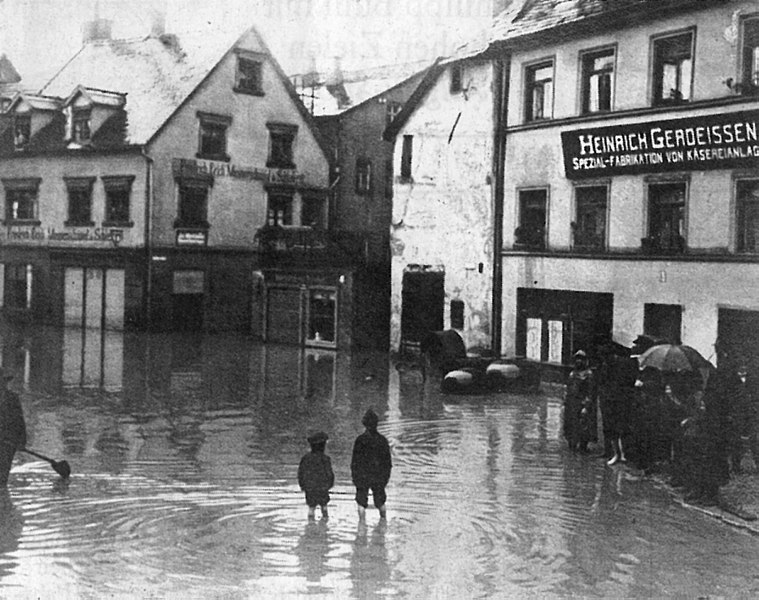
(157, 19)
(97, 30)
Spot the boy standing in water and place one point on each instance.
(315, 475)
(371, 463)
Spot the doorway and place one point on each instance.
(422, 303)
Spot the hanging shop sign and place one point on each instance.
(724, 141)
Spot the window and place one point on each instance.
(663, 321)
(213, 136)
(531, 231)
(406, 157)
(750, 54)
(193, 205)
(313, 213)
(22, 131)
(597, 80)
(539, 91)
(363, 176)
(666, 217)
(248, 78)
(457, 77)
(80, 201)
(590, 221)
(21, 200)
(321, 315)
(18, 286)
(747, 200)
(80, 126)
(280, 211)
(392, 109)
(281, 139)
(673, 65)
(118, 192)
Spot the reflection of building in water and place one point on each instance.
(92, 358)
(319, 375)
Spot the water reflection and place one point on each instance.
(185, 448)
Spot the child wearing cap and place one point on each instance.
(315, 475)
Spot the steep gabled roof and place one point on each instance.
(95, 96)
(36, 101)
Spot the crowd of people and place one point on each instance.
(699, 425)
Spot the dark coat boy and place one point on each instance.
(12, 426)
(370, 465)
(315, 475)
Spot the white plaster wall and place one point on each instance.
(444, 218)
(700, 288)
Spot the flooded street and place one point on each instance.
(184, 452)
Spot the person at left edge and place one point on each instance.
(12, 426)
(315, 475)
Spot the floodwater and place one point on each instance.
(184, 453)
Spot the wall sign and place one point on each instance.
(183, 167)
(192, 237)
(49, 236)
(724, 141)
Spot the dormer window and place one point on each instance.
(22, 131)
(80, 126)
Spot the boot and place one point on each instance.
(325, 513)
(361, 513)
(383, 512)
(311, 512)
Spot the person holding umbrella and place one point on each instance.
(12, 426)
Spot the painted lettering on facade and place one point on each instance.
(50, 236)
(191, 168)
(722, 141)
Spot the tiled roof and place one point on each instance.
(155, 74)
(525, 17)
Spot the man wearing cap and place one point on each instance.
(315, 475)
(12, 426)
(370, 465)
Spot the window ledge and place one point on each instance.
(78, 223)
(218, 157)
(239, 90)
(121, 224)
(22, 222)
(273, 165)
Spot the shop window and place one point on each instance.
(747, 200)
(673, 66)
(212, 142)
(248, 77)
(118, 193)
(192, 205)
(457, 314)
(322, 315)
(363, 176)
(666, 218)
(663, 321)
(392, 108)
(280, 210)
(22, 131)
(597, 80)
(538, 100)
(406, 157)
(589, 227)
(281, 140)
(531, 232)
(21, 200)
(750, 55)
(17, 286)
(80, 201)
(314, 213)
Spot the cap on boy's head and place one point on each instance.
(370, 419)
(318, 437)
(580, 354)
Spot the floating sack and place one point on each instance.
(458, 380)
(503, 371)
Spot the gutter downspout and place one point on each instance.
(148, 295)
(500, 111)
